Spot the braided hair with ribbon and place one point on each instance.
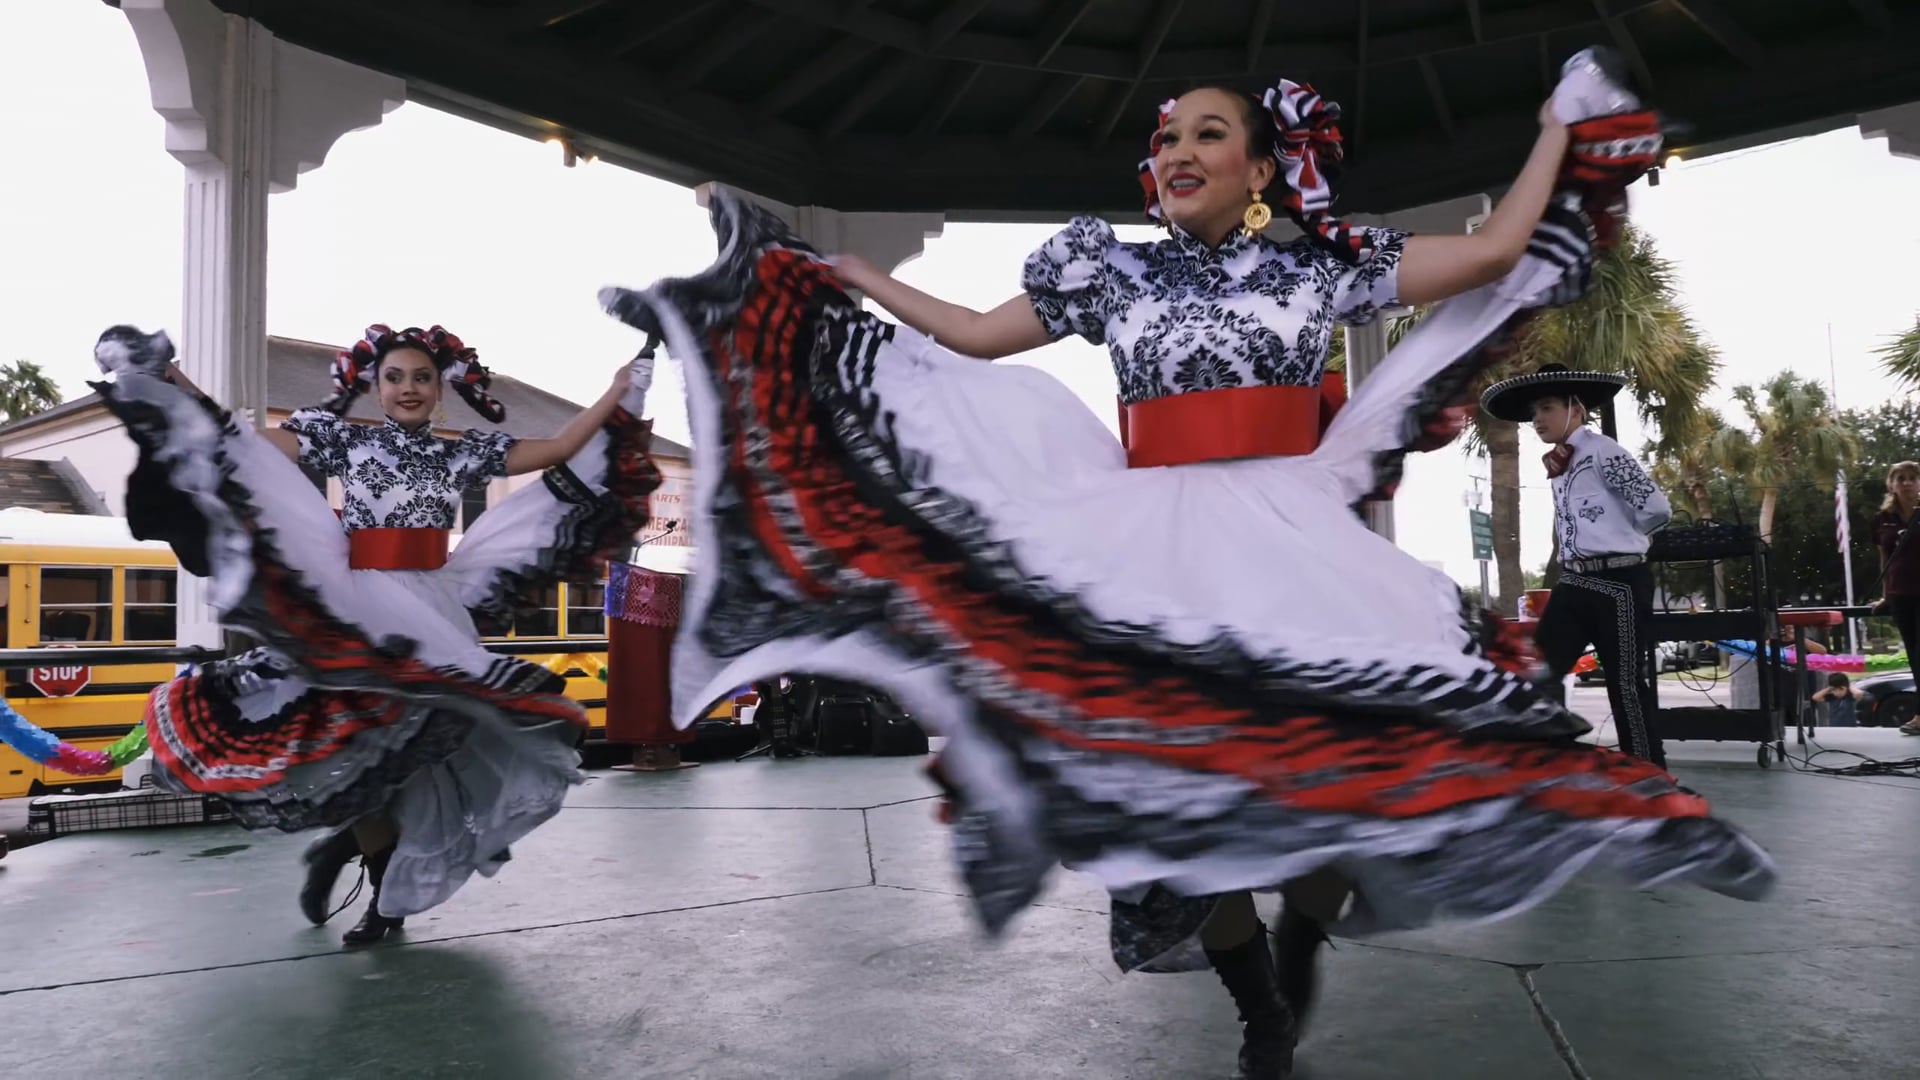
(459, 367)
(1304, 135)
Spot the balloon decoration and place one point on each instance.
(1851, 663)
(42, 748)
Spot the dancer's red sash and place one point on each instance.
(1233, 422)
(397, 549)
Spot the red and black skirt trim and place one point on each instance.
(1440, 794)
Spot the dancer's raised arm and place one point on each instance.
(535, 455)
(1008, 329)
(284, 441)
(1433, 268)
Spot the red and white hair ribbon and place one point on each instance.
(1149, 180)
(1306, 139)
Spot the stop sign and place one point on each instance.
(60, 681)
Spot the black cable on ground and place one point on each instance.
(1908, 768)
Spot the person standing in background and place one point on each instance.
(1900, 564)
(1605, 507)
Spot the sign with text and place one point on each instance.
(669, 506)
(63, 681)
(1480, 523)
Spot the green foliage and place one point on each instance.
(1807, 566)
(1900, 356)
(1630, 322)
(25, 390)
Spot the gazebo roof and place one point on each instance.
(1040, 108)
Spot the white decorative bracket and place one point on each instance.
(1900, 126)
(887, 240)
(214, 76)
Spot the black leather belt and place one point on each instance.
(1603, 562)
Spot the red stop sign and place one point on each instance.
(60, 681)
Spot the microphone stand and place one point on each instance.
(778, 737)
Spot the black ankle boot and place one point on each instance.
(1296, 960)
(373, 926)
(325, 858)
(1266, 1048)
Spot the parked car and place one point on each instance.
(1886, 700)
(1669, 655)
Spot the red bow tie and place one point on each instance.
(1557, 460)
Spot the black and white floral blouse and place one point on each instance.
(1179, 317)
(395, 478)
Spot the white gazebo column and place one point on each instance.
(1900, 126)
(886, 240)
(246, 114)
(1366, 345)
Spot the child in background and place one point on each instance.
(1841, 699)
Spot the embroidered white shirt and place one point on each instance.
(394, 478)
(1179, 317)
(1604, 503)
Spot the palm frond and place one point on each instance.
(1900, 356)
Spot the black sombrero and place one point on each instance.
(1512, 399)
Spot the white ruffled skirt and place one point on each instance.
(370, 691)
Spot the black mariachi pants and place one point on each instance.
(1610, 610)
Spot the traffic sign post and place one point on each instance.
(1480, 523)
(64, 681)
(1480, 527)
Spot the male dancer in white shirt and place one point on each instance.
(1604, 507)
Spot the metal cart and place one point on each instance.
(1736, 546)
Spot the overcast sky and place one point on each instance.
(429, 218)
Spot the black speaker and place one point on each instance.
(845, 725)
(894, 734)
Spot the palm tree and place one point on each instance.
(1900, 356)
(25, 390)
(1795, 432)
(1686, 462)
(1630, 322)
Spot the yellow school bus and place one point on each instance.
(81, 581)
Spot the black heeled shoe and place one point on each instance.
(1269, 1033)
(1296, 961)
(325, 858)
(373, 926)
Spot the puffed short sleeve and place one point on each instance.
(324, 438)
(480, 456)
(1360, 290)
(1069, 280)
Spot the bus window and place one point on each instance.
(544, 621)
(586, 609)
(76, 605)
(473, 503)
(149, 613)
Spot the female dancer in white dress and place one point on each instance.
(1180, 664)
(372, 703)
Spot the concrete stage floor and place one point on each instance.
(798, 919)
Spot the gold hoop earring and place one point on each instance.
(440, 413)
(1258, 216)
